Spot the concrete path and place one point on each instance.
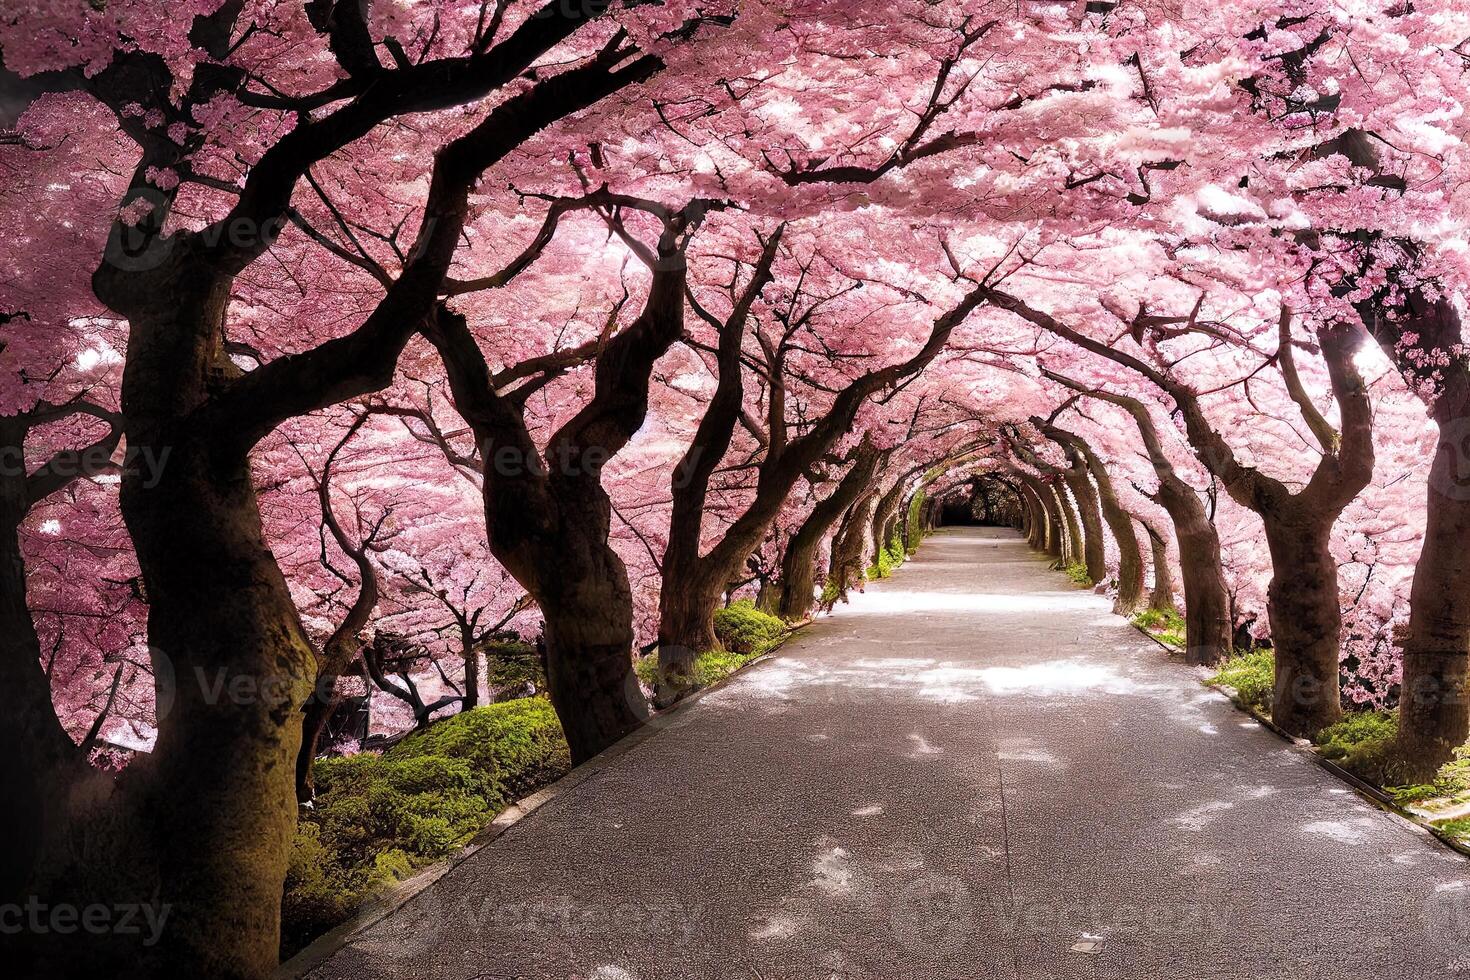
(969, 772)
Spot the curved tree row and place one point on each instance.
(343, 341)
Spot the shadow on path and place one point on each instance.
(975, 770)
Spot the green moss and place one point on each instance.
(1077, 572)
(1363, 743)
(380, 818)
(1167, 625)
(1458, 829)
(1451, 785)
(1253, 676)
(709, 667)
(829, 593)
(915, 518)
(744, 629)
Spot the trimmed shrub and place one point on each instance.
(1363, 744)
(744, 629)
(380, 818)
(1253, 676)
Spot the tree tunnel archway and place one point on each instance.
(983, 500)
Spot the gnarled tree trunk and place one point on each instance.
(1306, 620)
(1424, 338)
(799, 563)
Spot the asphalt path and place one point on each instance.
(974, 770)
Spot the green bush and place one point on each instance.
(1077, 572)
(1355, 732)
(1253, 675)
(1458, 829)
(891, 557)
(1167, 625)
(709, 667)
(1364, 744)
(513, 666)
(380, 818)
(744, 629)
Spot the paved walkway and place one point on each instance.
(965, 774)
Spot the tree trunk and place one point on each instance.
(1093, 550)
(314, 717)
(1052, 542)
(1036, 531)
(1206, 599)
(884, 511)
(1072, 542)
(471, 676)
(799, 563)
(1434, 717)
(847, 549)
(589, 669)
(1130, 560)
(210, 812)
(1161, 597)
(1306, 621)
(38, 759)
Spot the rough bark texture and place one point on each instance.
(799, 563)
(847, 550)
(204, 822)
(1434, 710)
(1306, 622)
(1161, 596)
